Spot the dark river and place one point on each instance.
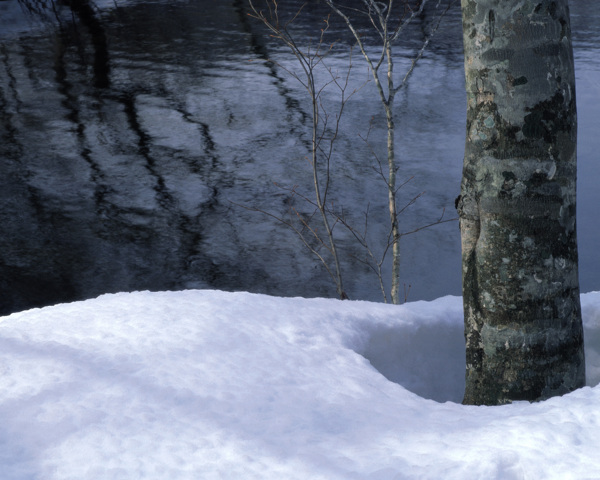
(133, 133)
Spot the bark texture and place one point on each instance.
(523, 329)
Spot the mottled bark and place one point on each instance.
(523, 330)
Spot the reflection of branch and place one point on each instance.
(87, 16)
(425, 43)
(85, 11)
(41, 10)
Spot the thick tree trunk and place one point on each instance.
(523, 330)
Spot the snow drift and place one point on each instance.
(214, 385)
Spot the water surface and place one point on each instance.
(132, 133)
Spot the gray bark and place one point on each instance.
(523, 329)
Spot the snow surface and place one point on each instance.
(212, 385)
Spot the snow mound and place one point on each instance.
(215, 385)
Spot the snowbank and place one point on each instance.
(213, 385)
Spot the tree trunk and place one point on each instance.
(523, 329)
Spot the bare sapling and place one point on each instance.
(324, 133)
(325, 129)
(388, 19)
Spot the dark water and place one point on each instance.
(132, 131)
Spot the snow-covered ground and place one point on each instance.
(211, 385)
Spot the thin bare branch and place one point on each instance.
(326, 129)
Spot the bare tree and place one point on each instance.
(388, 19)
(325, 130)
(323, 134)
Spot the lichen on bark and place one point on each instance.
(523, 332)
